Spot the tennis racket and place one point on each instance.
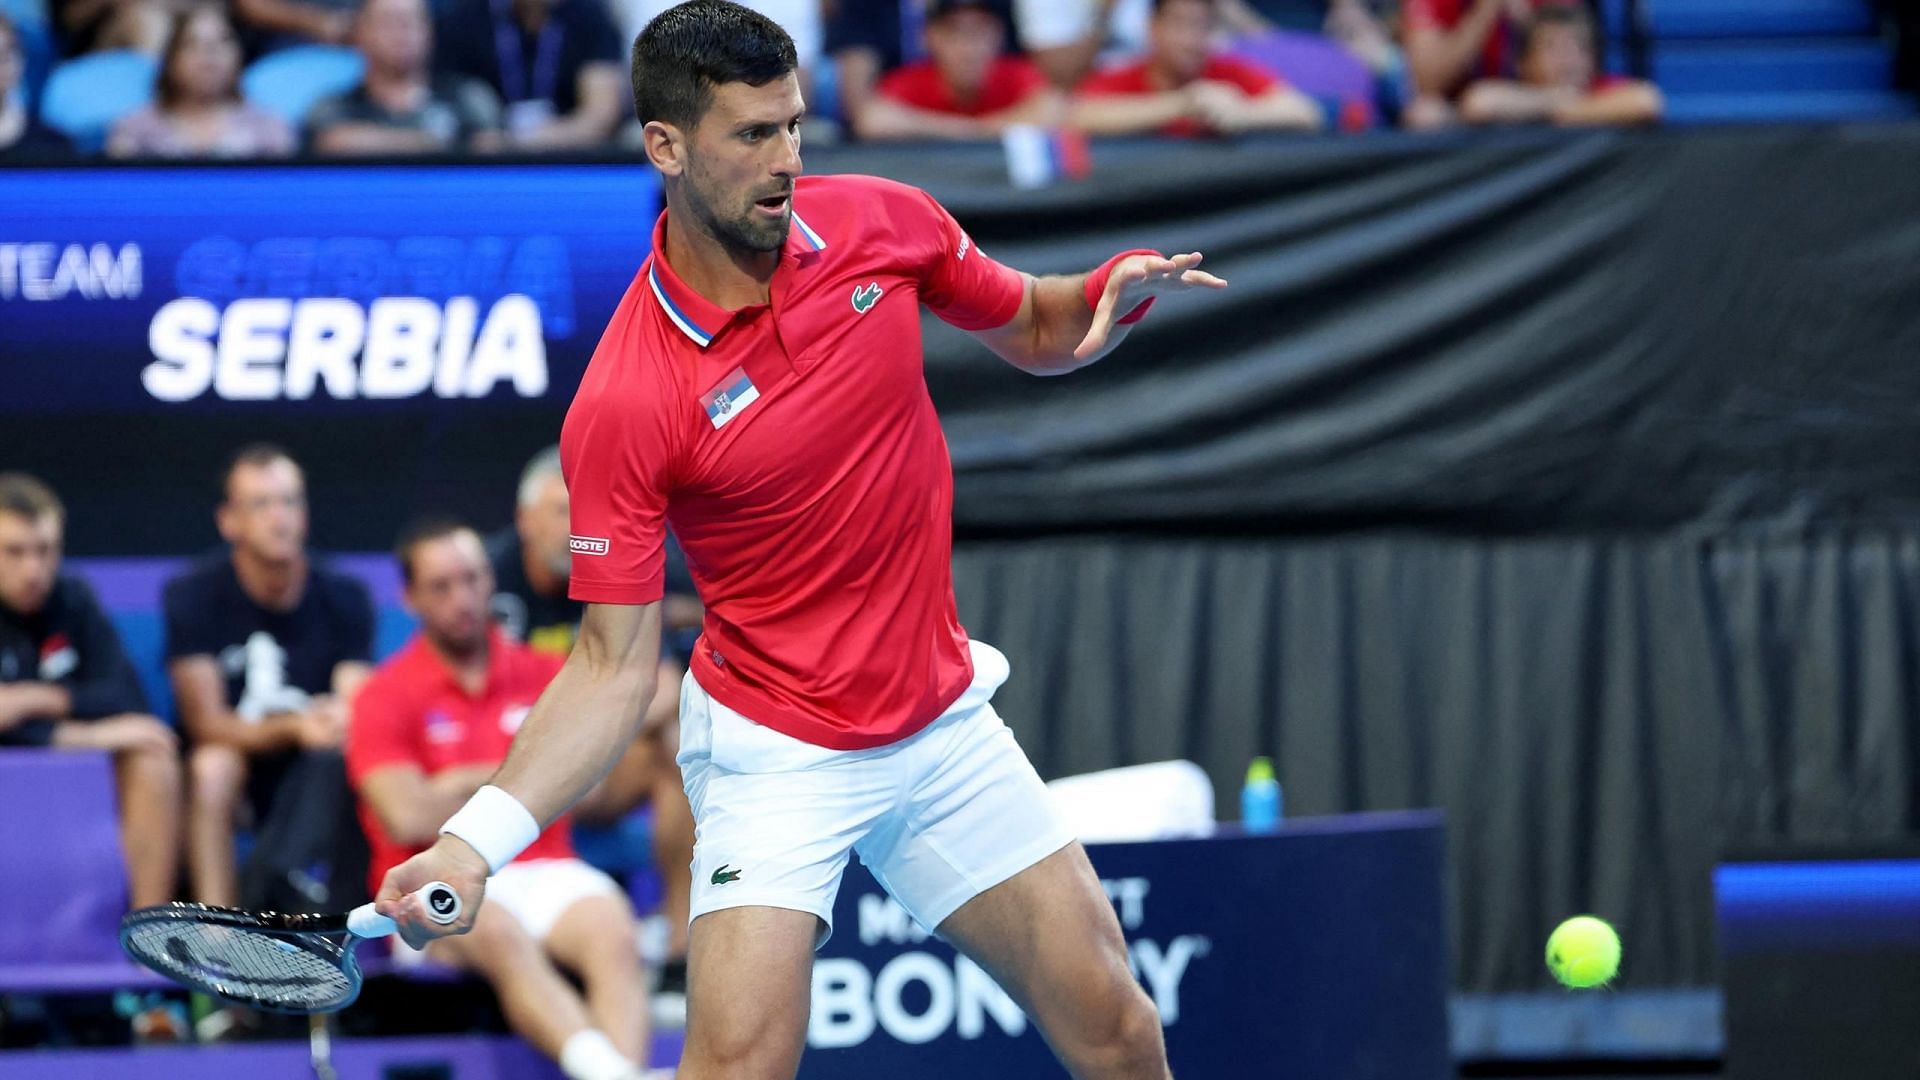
(299, 964)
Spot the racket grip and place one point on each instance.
(364, 922)
(442, 904)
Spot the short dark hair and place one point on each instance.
(423, 531)
(252, 456)
(689, 49)
(1574, 16)
(28, 496)
(1159, 5)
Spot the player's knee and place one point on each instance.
(742, 1050)
(1126, 1040)
(217, 773)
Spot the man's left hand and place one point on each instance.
(1133, 281)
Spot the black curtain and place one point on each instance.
(1600, 718)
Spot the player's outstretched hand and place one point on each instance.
(451, 860)
(1136, 278)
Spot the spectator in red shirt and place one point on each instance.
(1451, 42)
(429, 728)
(966, 88)
(1560, 80)
(1182, 88)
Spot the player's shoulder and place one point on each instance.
(530, 669)
(73, 598)
(340, 589)
(869, 218)
(851, 201)
(199, 581)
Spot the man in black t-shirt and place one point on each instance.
(66, 682)
(530, 602)
(557, 66)
(401, 105)
(265, 651)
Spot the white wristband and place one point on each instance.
(496, 826)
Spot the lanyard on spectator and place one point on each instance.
(546, 56)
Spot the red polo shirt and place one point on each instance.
(1136, 78)
(412, 711)
(1010, 81)
(1443, 15)
(794, 450)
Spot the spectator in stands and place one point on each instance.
(197, 110)
(402, 107)
(66, 682)
(531, 561)
(967, 88)
(429, 728)
(97, 25)
(265, 649)
(279, 24)
(1182, 88)
(867, 38)
(557, 66)
(1560, 80)
(21, 133)
(1068, 39)
(1450, 43)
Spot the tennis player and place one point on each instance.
(761, 388)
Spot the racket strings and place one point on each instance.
(243, 963)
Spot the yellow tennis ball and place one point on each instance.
(1584, 952)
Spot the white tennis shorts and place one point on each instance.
(536, 893)
(939, 817)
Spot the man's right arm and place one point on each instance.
(200, 692)
(589, 713)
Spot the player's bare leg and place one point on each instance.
(593, 938)
(216, 777)
(149, 785)
(537, 1000)
(1050, 937)
(749, 982)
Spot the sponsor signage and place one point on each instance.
(1319, 952)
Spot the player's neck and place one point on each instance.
(276, 586)
(727, 278)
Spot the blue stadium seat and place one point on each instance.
(26, 14)
(1827, 105)
(85, 95)
(1771, 67)
(289, 82)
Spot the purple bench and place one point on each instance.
(63, 885)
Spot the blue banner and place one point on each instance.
(244, 288)
(1319, 953)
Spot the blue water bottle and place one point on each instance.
(1260, 799)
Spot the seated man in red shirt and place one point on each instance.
(966, 88)
(429, 728)
(1182, 88)
(1560, 80)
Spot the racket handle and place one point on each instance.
(442, 903)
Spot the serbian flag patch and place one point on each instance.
(730, 398)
